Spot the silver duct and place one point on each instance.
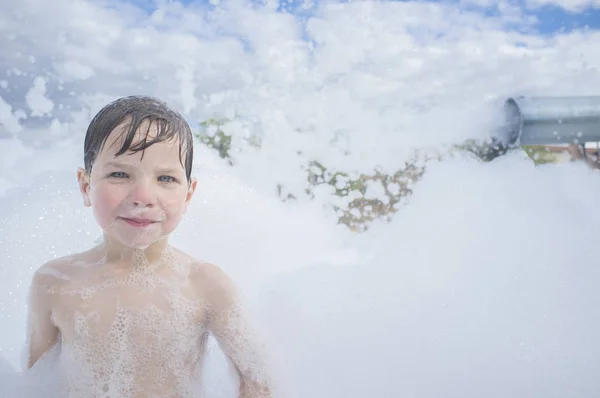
(551, 120)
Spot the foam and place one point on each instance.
(469, 290)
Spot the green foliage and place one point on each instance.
(540, 154)
(359, 210)
(490, 150)
(485, 151)
(212, 135)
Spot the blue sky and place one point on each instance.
(551, 19)
(554, 19)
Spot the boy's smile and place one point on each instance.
(138, 198)
(138, 222)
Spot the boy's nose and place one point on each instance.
(142, 195)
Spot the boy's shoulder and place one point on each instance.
(59, 266)
(56, 271)
(217, 287)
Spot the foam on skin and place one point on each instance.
(140, 331)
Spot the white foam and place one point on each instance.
(8, 120)
(36, 98)
(188, 87)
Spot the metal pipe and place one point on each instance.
(552, 120)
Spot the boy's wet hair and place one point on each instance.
(131, 112)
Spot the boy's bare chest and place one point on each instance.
(138, 308)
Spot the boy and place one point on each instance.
(131, 316)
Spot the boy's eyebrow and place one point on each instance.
(126, 165)
(167, 170)
(118, 164)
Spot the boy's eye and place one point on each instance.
(118, 174)
(167, 179)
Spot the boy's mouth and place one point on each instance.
(138, 222)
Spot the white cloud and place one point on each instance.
(573, 6)
(74, 70)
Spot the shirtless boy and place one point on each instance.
(130, 318)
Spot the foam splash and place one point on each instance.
(36, 98)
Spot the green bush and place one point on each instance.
(540, 154)
(216, 140)
(360, 210)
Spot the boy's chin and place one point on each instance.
(139, 244)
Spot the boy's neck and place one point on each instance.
(115, 252)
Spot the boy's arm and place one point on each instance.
(43, 334)
(232, 327)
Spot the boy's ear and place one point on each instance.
(83, 178)
(191, 190)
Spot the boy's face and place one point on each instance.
(137, 198)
